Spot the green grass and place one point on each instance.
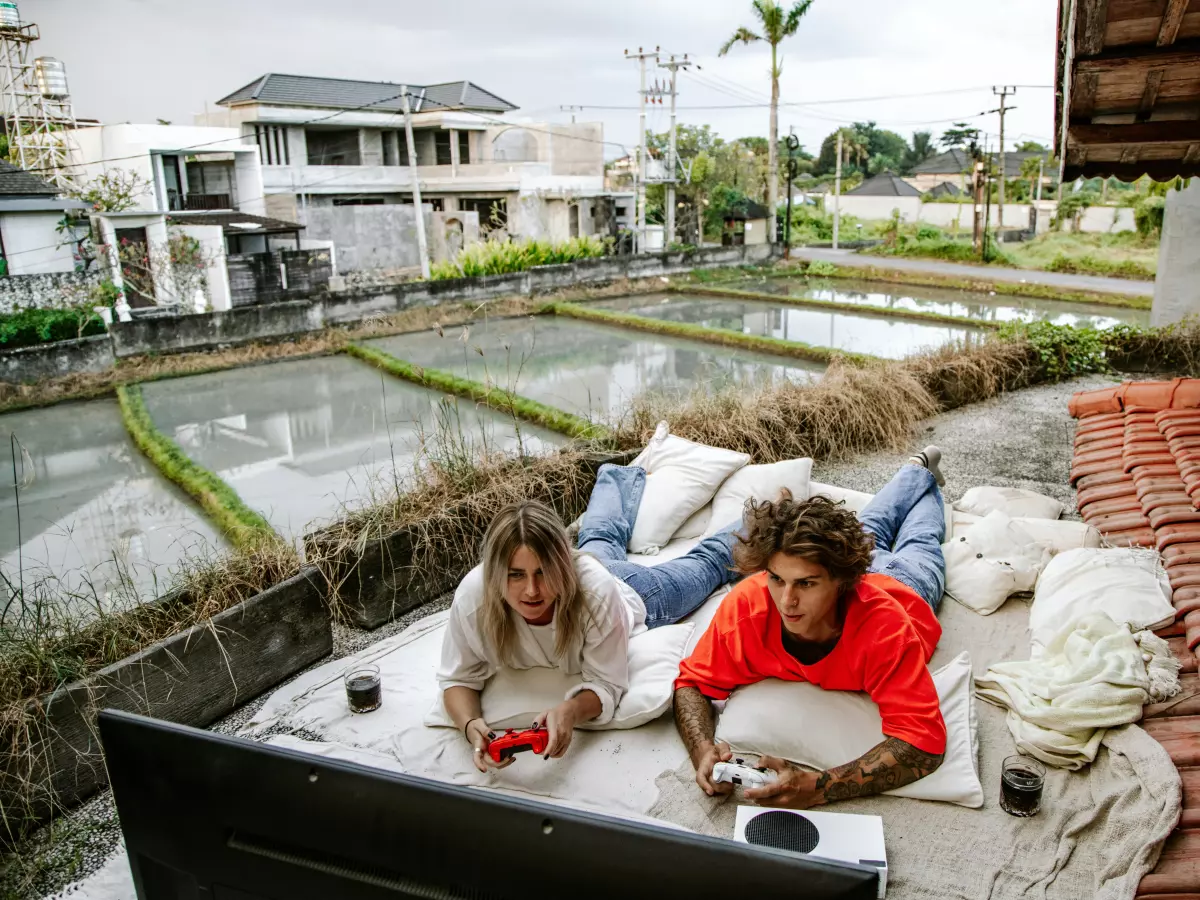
(1122, 255)
(496, 398)
(240, 524)
(720, 336)
(505, 257)
(855, 308)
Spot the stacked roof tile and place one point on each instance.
(1137, 473)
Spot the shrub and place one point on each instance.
(503, 257)
(929, 233)
(1092, 265)
(1148, 213)
(39, 326)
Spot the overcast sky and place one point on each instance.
(139, 60)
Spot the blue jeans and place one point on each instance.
(908, 521)
(670, 590)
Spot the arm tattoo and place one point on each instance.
(885, 767)
(694, 719)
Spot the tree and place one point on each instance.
(961, 135)
(1032, 147)
(777, 24)
(881, 142)
(855, 148)
(921, 149)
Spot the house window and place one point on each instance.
(272, 145)
(464, 148)
(493, 212)
(390, 156)
(441, 147)
(358, 201)
(332, 147)
(573, 220)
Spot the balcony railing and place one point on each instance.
(179, 202)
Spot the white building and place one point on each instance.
(329, 142)
(32, 239)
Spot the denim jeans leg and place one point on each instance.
(676, 588)
(612, 510)
(910, 516)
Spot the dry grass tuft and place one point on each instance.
(851, 409)
(958, 374)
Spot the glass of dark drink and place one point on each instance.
(1021, 783)
(364, 688)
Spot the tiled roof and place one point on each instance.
(1137, 473)
(230, 222)
(956, 161)
(341, 93)
(888, 184)
(15, 181)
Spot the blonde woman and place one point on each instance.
(533, 601)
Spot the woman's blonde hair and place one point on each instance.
(535, 526)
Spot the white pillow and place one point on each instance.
(681, 477)
(856, 501)
(1014, 501)
(1060, 535)
(760, 482)
(1129, 584)
(513, 698)
(695, 526)
(821, 729)
(990, 561)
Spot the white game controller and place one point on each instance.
(743, 775)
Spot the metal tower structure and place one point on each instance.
(36, 104)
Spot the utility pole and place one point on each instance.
(672, 162)
(422, 246)
(1003, 93)
(793, 145)
(640, 238)
(837, 193)
(977, 190)
(572, 110)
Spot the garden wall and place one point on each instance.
(52, 290)
(173, 334)
(28, 364)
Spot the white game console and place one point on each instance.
(739, 772)
(836, 836)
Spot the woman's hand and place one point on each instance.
(560, 723)
(480, 736)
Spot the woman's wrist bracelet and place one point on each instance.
(468, 725)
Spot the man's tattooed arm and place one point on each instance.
(885, 767)
(694, 719)
(889, 765)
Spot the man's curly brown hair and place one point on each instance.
(817, 529)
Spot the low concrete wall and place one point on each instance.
(277, 321)
(28, 364)
(53, 759)
(51, 290)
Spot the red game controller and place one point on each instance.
(513, 741)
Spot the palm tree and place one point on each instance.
(777, 24)
(922, 148)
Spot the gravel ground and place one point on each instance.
(1023, 439)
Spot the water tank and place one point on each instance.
(51, 77)
(10, 16)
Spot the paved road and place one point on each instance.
(995, 273)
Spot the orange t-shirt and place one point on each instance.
(887, 639)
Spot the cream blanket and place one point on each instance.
(1093, 675)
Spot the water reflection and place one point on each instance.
(586, 368)
(97, 517)
(874, 335)
(299, 440)
(972, 305)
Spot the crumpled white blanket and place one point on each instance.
(1093, 675)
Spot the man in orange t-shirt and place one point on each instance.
(845, 604)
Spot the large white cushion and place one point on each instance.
(761, 483)
(991, 560)
(1016, 502)
(681, 477)
(1060, 535)
(695, 526)
(856, 501)
(1128, 584)
(822, 729)
(513, 698)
